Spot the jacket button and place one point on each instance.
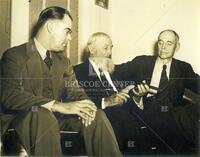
(153, 148)
(143, 127)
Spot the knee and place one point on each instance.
(39, 115)
(43, 112)
(100, 115)
(45, 115)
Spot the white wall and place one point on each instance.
(19, 22)
(92, 18)
(132, 24)
(137, 23)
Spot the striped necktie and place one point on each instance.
(164, 87)
(48, 60)
(106, 85)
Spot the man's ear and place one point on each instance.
(49, 26)
(177, 46)
(91, 49)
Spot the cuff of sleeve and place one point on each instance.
(140, 103)
(49, 105)
(102, 104)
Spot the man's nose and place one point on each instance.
(110, 56)
(69, 37)
(163, 46)
(109, 52)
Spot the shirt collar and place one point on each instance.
(157, 70)
(42, 51)
(160, 61)
(96, 69)
(107, 75)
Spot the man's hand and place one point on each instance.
(85, 109)
(138, 92)
(127, 89)
(118, 98)
(141, 89)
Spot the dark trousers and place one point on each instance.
(128, 132)
(38, 132)
(165, 134)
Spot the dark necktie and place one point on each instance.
(163, 87)
(106, 85)
(48, 60)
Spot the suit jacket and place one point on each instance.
(120, 117)
(22, 82)
(91, 83)
(88, 79)
(181, 76)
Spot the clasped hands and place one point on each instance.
(122, 96)
(85, 109)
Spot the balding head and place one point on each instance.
(170, 31)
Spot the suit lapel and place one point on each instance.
(116, 83)
(91, 72)
(57, 70)
(34, 68)
(150, 67)
(174, 72)
(92, 75)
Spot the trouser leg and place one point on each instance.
(99, 137)
(124, 125)
(38, 132)
(163, 125)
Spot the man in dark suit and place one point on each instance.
(95, 76)
(163, 107)
(35, 78)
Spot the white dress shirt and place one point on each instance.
(107, 75)
(156, 76)
(42, 51)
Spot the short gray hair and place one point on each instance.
(170, 30)
(93, 38)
